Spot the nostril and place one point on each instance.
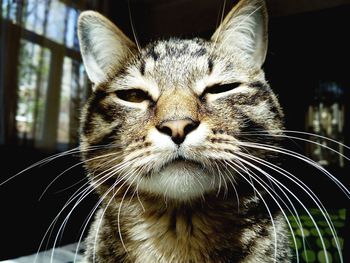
(166, 130)
(190, 127)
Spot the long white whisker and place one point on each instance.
(70, 168)
(263, 200)
(104, 211)
(137, 194)
(62, 227)
(305, 140)
(292, 210)
(232, 180)
(92, 212)
(46, 160)
(53, 157)
(220, 184)
(112, 173)
(119, 211)
(102, 198)
(84, 194)
(220, 28)
(296, 198)
(74, 196)
(300, 157)
(294, 213)
(127, 175)
(305, 188)
(133, 27)
(296, 132)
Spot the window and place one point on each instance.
(32, 89)
(50, 83)
(72, 97)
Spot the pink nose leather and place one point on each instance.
(177, 129)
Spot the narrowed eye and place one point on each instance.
(133, 95)
(220, 88)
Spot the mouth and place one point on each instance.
(184, 163)
(180, 158)
(180, 178)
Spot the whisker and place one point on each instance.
(104, 174)
(220, 28)
(133, 28)
(232, 180)
(219, 189)
(294, 213)
(296, 132)
(125, 176)
(118, 217)
(70, 168)
(92, 212)
(262, 199)
(137, 175)
(305, 188)
(105, 209)
(305, 140)
(54, 157)
(296, 198)
(62, 227)
(137, 194)
(103, 212)
(300, 157)
(45, 160)
(82, 195)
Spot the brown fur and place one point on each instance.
(208, 230)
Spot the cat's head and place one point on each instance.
(169, 118)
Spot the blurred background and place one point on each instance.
(43, 87)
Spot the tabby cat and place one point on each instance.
(163, 140)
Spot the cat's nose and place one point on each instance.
(177, 129)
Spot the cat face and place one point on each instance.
(170, 118)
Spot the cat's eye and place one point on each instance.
(220, 88)
(133, 95)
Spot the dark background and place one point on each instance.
(308, 43)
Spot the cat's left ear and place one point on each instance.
(244, 31)
(103, 46)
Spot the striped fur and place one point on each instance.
(168, 202)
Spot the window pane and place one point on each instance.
(33, 82)
(63, 121)
(53, 19)
(73, 96)
(34, 17)
(9, 9)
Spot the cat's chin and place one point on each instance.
(180, 180)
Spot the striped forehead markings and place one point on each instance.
(152, 53)
(176, 48)
(142, 67)
(210, 66)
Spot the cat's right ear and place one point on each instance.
(244, 31)
(103, 46)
